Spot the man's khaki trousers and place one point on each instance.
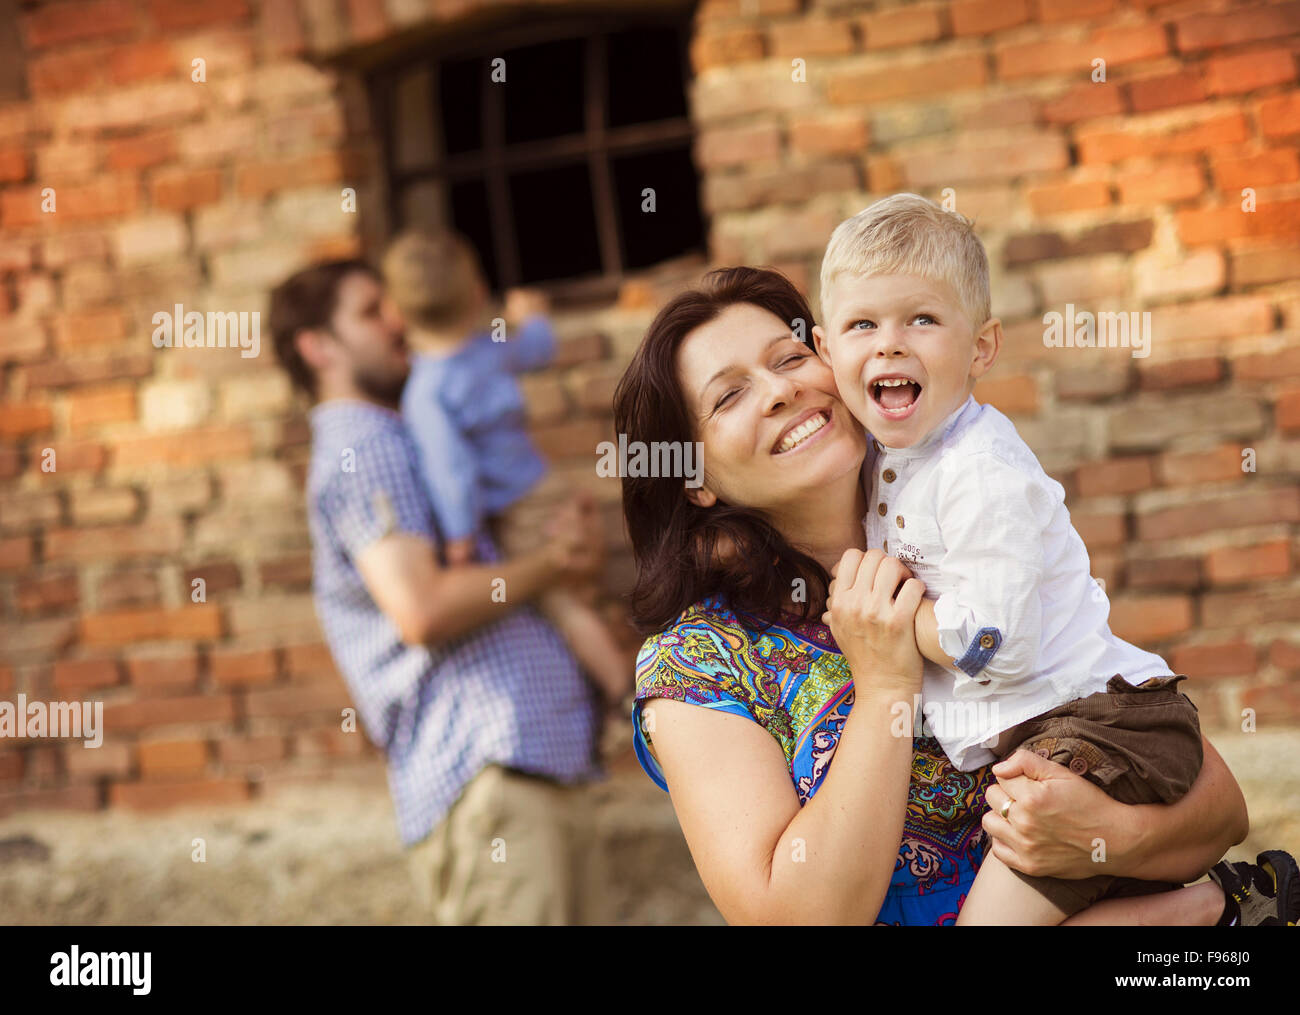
(515, 849)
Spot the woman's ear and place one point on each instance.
(988, 343)
(701, 496)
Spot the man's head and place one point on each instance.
(906, 317)
(434, 278)
(336, 335)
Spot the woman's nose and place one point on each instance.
(781, 390)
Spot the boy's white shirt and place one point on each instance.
(988, 532)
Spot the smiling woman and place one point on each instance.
(744, 698)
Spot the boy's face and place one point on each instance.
(912, 334)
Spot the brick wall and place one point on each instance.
(172, 465)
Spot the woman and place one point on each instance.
(733, 574)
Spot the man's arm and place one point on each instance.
(430, 605)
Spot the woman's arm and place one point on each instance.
(762, 858)
(1057, 816)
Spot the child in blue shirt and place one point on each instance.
(466, 416)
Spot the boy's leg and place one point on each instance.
(998, 897)
(1193, 906)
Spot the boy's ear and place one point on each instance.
(701, 496)
(988, 343)
(820, 345)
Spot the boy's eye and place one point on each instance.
(926, 317)
(855, 324)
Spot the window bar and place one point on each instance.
(494, 134)
(602, 188)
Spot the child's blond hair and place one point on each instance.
(432, 276)
(905, 234)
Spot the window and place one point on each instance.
(546, 172)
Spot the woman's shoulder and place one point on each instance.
(695, 654)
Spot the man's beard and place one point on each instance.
(385, 388)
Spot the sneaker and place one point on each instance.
(1265, 893)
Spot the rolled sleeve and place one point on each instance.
(376, 491)
(993, 516)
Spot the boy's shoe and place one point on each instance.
(1265, 893)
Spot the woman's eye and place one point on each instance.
(725, 399)
(792, 359)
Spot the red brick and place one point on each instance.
(1162, 91)
(1062, 198)
(1279, 115)
(901, 26)
(1085, 102)
(1274, 703)
(1113, 477)
(141, 151)
(261, 178)
(1213, 133)
(1260, 507)
(1221, 659)
(329, 743)
(1267, 366)
(103, 326)
(16, 553)
(1249, 608)
(73, 676)
(911, 79)
(820, 134)
(813, 36)
(1051, 11)
(1191, 468)
(22, 418)
(87, 371)
(983, 17)
(1235, 565)
(1163, 573)
(47, 594)
(123, 627)
(108, 759)
(71, 456)
(172, 671)
(239, 668)
(1162, 184)
(1013, 394)
(109, 404)
(151, 713)
(70, 798)
(1181, 373)
(187, 447)
(163, 795)
(1145, 620)
(111, 197)
(153, 539)
(59, 23)
(1099, 528)
(142, 61)
(1285, 655)
(1288, 410)
(251, 750)
(735, 146)
(1247, 72)
(181, 189)
(171, 15)
(728, 46)
(169, 758)
(1226, 222)
(285, 702)
(64, 73)
(1211, 31)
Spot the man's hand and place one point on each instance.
(873, 628)
(576, 545)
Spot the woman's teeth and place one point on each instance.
(802, 432)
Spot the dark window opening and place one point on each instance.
(547, 173)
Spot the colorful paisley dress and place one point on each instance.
(793, 681)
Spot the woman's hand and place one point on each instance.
(873, 627)
(1054, 821)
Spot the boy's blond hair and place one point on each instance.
(905, 234)
(431, 275)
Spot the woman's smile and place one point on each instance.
(806, 429)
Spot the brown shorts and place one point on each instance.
(1142, 745)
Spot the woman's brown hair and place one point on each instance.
(685, 553)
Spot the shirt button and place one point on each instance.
(1078, 765)
(986, 641)
(898, 520)
(889, 475)
(881, 509)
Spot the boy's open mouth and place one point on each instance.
(895, 394)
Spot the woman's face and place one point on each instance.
(771, 424)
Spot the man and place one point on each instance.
(487, 722)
